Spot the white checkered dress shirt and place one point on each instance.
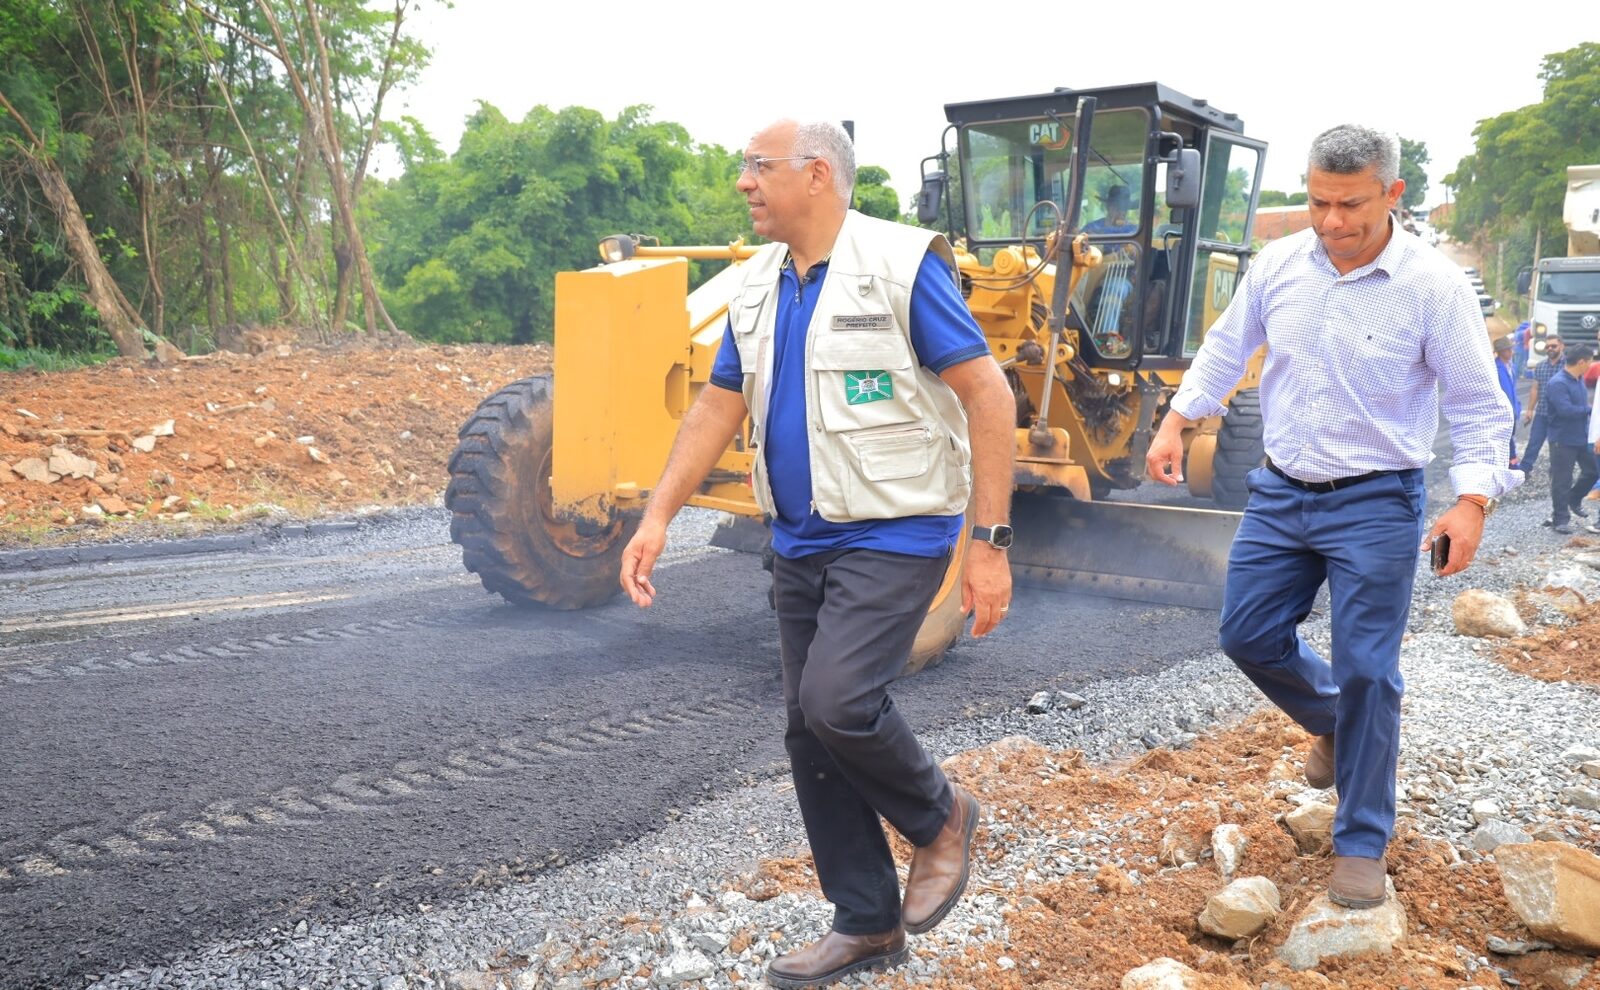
(1355, 364)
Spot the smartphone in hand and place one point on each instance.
(1439, 556)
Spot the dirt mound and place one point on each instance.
(1085, 930)
(222, 437)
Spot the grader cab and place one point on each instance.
(1098, 234)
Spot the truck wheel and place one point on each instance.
(500, 508)
(944, 621)
(1241, 448)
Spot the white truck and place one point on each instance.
(1566, 291)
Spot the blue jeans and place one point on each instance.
(1536, 435)
(1362, 541)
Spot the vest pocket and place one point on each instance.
(744, 314)
(896, 455)
(864, 379)
(895, 473)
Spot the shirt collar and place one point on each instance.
(808, 277)
(1389, 260)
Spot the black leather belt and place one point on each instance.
(1325, 486)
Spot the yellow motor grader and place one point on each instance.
(1098, 234)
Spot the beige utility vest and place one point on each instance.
(888, 438)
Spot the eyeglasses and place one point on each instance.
(755, 165)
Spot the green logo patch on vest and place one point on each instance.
(867, 386)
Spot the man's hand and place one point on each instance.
(1527, 415)
(1164, 460)
(639, 559)
(1463, 522)
(985, 587)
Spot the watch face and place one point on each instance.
(1000, 537)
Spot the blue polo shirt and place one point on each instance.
(943, 334)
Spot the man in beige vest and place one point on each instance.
(850, 349)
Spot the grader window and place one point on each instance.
(1010, 166)
(1113, 184)
(1107, 297)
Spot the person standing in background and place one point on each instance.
(1508, 385)
(1537, 407)
(1569, 446)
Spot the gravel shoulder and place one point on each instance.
(710, 899)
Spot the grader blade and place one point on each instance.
(1150, 553)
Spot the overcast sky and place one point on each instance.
(1428, 71)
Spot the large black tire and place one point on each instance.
(1241, 448)
(500, 508)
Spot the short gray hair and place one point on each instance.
(1351, 148)
(826, 139)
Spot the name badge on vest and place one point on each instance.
(870, 321)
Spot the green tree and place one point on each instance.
(1515, 179)
(468, 246)
(1413, 155)
(873, 195)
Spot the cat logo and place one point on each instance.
(1222, 282)
(1051, 136)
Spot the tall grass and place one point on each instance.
(41, 359)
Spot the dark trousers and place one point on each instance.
(1363, 541)
(1567, 495)
(846, 622)
(1536, 435)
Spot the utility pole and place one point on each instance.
(1538, 237)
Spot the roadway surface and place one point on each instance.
(206, 746)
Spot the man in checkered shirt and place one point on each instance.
(1370, 333)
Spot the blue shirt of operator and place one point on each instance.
(943, 334)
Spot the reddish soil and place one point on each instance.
(382, 422)
(1559, 653)
(1085, 932)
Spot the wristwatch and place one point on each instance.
(1485, 502)
(997, 536)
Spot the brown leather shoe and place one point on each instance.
(834, 956)
(939, 871)
(1319, 763)
(1358, 882)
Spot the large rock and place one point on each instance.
(1327, 931)
(1227, 846)
(113, 505)
(1482, 613)
(1578, 753)
(34, 469)
(1581, 797)
(1161, 974)
(1241, 909)
(1555, 889)
(685, 966)
(69, 465)
(1311, 825)
(1494, 833)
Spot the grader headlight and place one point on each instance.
(617, 247)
